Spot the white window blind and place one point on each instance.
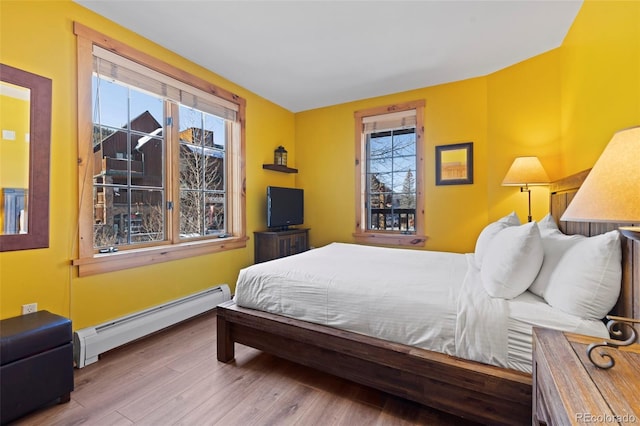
(393, 120)
(111, 65)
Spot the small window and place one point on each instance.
(389, 149)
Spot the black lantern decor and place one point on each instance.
(280, 156)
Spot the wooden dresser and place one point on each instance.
(276, 244)
(569, 390)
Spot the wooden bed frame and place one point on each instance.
(469, 389)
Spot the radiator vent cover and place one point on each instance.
(89, 343)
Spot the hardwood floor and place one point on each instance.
(174, 378)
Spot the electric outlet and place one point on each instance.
(29, 308)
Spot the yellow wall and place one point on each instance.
(523, 119)
(600, 79)
(562, 106)
(38, 37)
(511, 113)
(325, 138)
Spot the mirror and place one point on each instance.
(25, 140)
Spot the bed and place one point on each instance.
(463, 372)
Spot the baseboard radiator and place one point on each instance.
(89, 343)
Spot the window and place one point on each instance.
(128, 147)
(161, 160)
(390, 170)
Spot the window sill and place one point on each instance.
(390, 239)
(109, 262)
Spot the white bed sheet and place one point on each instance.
(363, 289)
(432, 300)
(527, 311)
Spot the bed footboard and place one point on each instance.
(468, 389)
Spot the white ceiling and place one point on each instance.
(308, 54)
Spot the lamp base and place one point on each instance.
(631, 232)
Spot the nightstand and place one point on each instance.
(569, 390)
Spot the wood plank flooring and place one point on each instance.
(174, 378)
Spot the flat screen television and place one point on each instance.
(285, 207)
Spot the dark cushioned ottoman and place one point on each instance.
(36, 363)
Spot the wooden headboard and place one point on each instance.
(561, 194)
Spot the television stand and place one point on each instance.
(274, 244)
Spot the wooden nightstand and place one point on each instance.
(569, 390)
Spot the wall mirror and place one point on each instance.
(25, 144)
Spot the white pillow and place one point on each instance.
(548, 225)
(512, 261)
(512, 219)
(555, 244)
(586, 282)
(490, 231)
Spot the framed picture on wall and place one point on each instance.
(454, 164)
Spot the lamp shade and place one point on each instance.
(526, 171)
(611, 191)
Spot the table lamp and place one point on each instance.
(525, 172)
(611, 193)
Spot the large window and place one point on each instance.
(389, 163)
(161, 160)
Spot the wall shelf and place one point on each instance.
(279, 168)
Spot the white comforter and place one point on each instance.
(432, 300)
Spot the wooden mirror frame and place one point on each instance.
(39, 152)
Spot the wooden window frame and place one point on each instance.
(398, 238)
(90, 262)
